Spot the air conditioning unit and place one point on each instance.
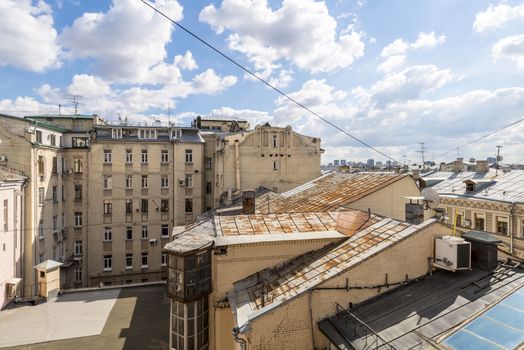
(153, 241)
(452, 253)
(3, 158)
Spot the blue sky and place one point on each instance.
(393, 73)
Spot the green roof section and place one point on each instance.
(50, 126)
(481, 236)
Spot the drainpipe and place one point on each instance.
(511, 218)
(238, 340)
(237, 168)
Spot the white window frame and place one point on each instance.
(145, 232)
(78, 274)
(496, 220)
(108, 234)
(142, 256)
(129, 256)
(145, 181)
(41, 230)
(41, 195)
(108, 262)
(164, 182)
(164, 156)
(116, 133)
(129, 156)
(129, 181)
(162, 230)
(78, 218)
(147, 134)
(189, 180)
(108, 182)
(144, 156)
(108, 156)
(189, 156)
(78, 247)
(177, 134)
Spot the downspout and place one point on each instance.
(238, 340)
(237, 168)
(22, 232)
(511, 218)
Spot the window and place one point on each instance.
(53, 139)
(108, 262)
(144, 181)
(78, 168)
(502, 225)
(107, 156)
(55, 194)
(108, 181)
(78, 219)
(63, 193)
(144, 260)
(144, 156)
(108, 234)
(470, 186)
(275, 140)
(116, 133)
(145, 232)
(129, 181)
(177, 133)
(60, 142)
(164, 182)
(129, 233)
(164, 156)
(55, 223)
(129, 261)
(189, 156)
(144, 205)
(39, 136)
(208, 162)
(165, 230)
(41, 195)
(41, 229)
(164, 205)
(479, 222)
(78, 274)
(163, 259)
(6, 215)
(189, 205)
(78, 191)
(209, 188)
(129, 156)
(108, 207)
(54, 169)
(147, 134)
(275, 165)
(78, 248)
(129, 206)
(189, 180)
(79, 142)
(41, 164)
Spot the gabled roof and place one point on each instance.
(327, 192)
(272, 287)
(48, 265)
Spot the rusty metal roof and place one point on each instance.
(272, 287)
(325, 193)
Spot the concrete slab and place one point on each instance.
(71, 315)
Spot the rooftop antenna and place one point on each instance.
(422, 151)
(75, 100)
(169, 113)
(404, 156)
(59, 109)
(498, 159)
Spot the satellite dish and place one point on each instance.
(431, 197)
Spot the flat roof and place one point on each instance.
(469, 309)
(130, 318)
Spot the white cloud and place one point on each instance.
(512, 48)
(22, 106)
(300, 31)
(496, 16)
(88, 85)
(254, 117)
(27, 35)
(395, 52)
(128, 42)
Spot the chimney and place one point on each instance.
(248, 202)
(443, 166)
(482, 166)
(459, 165)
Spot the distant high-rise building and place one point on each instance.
(491, 160)
(370, 163)
(336, 162)
(343, 162)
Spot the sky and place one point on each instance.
(391, 73)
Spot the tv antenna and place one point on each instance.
(422, 151)
(75, 100)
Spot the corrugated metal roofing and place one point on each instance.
(269, 288)
(505, 187)
(327, 192)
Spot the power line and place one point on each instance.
(482, 137)
(264, 81)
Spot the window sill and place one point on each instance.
(129, 267)
(144, 267)
(108, 270)
(164, 237)
(145, 239)
(41, 237)
(106, 241)
(163, 265)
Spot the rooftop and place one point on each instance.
(327, 192)
(265, 290)
(7, 174)
(120, 318)
(504, 187)
(477, 310)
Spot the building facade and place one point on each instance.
(12, 186)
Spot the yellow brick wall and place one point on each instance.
(290, 326)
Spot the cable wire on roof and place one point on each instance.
(254, 75)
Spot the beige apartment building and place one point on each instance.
(103, 198)
(12, 186)
(484, 200)
(237, 159)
